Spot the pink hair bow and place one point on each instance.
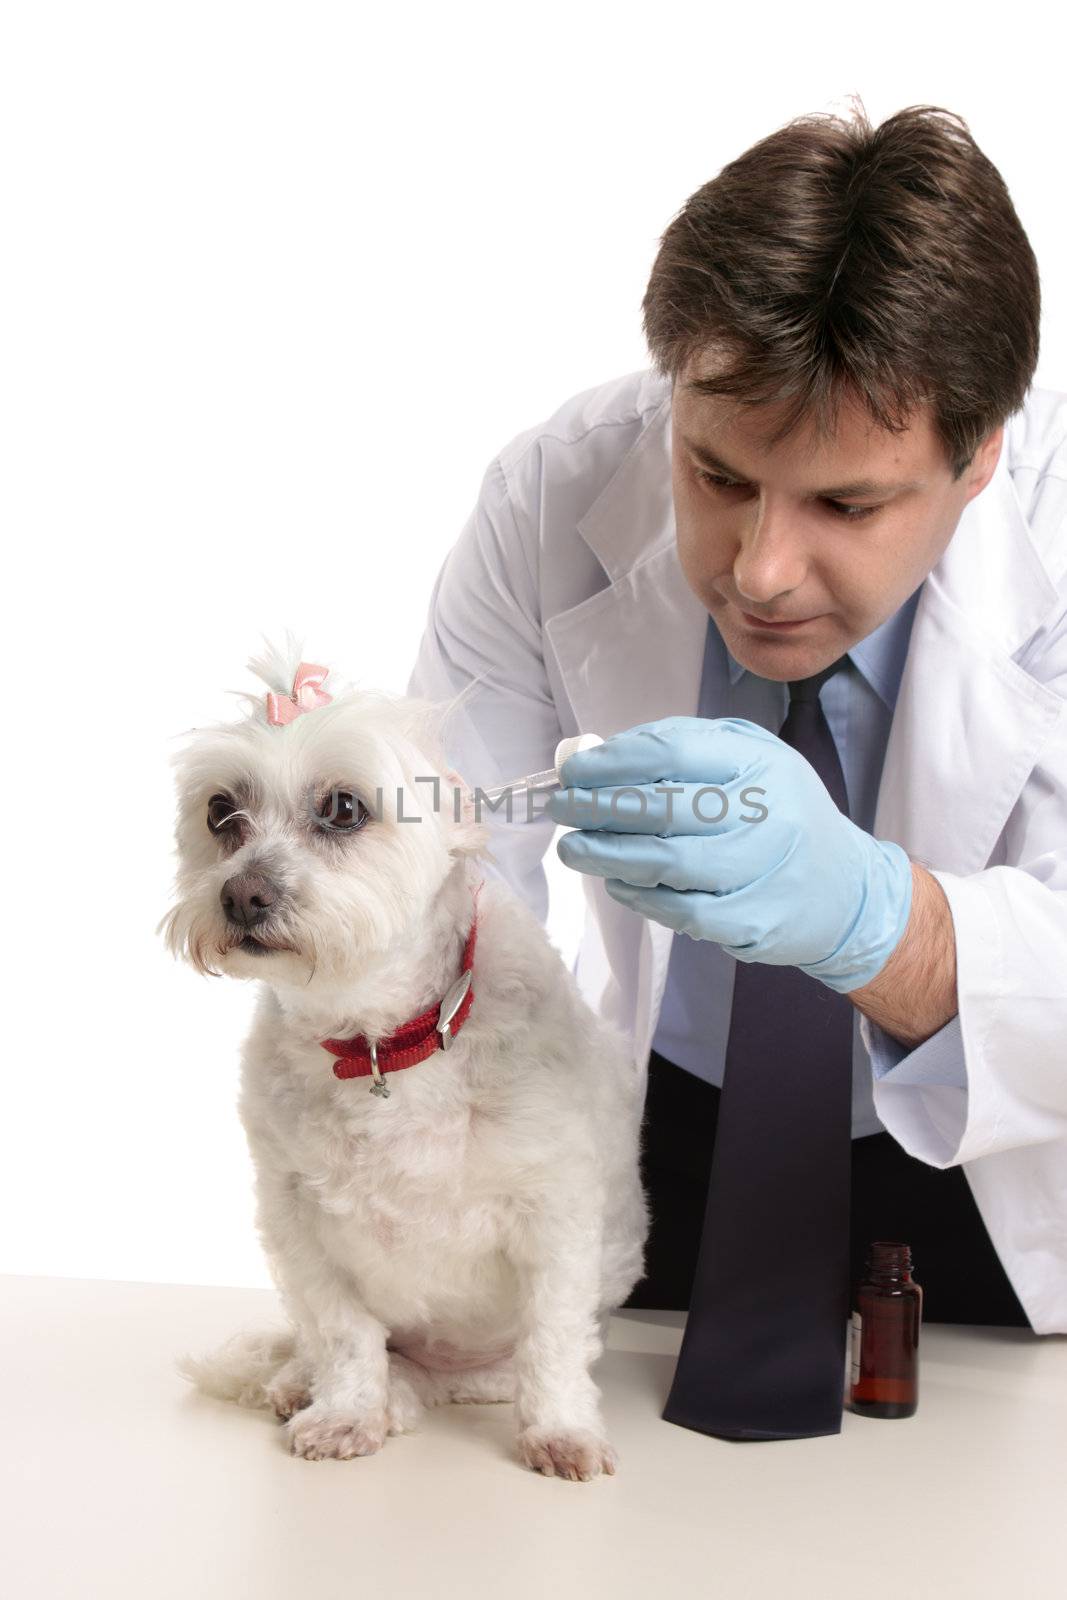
(307, 694)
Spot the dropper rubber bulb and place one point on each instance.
(550, 779)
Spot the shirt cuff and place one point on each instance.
(938, 1060)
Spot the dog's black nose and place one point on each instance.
(248, 898)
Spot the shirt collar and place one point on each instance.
(879, 657)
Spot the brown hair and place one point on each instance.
(834, 259)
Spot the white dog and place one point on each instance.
(465, 1235)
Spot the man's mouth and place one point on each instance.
(785, 625)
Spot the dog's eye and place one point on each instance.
(220, 810)
(342, 812)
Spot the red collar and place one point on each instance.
(414, 1041)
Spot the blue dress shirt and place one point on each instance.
(858, 701)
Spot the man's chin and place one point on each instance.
(784, 664)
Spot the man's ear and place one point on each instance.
(984, 463)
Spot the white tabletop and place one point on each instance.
(118, 1479)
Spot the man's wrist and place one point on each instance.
(914, 995)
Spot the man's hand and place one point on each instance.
(720, 830)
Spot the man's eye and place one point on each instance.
(341, 812)
(716, 480)
(847, 513)
(852, 513)
(220, 812)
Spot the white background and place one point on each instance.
(278, 283)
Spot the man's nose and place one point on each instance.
(248, 898)
(770, 561)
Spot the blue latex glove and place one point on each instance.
(800, 886)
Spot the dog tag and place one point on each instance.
(450, 1005)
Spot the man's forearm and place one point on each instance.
(915, 993)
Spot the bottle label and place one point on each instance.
(857, 1343)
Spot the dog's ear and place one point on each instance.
(468, 836)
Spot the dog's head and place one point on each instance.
(315, 830)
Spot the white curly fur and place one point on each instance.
(466, 1238)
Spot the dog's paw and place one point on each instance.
(288, 1401)
(319, 1434)
(575, 1453)
(288, 1392)
(404, 1407)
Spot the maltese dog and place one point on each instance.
(445, 1137)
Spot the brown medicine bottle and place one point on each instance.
(885, 1335)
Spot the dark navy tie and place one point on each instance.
(763, 1354)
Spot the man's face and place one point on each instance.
(828, 538)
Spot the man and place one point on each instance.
(816, 558)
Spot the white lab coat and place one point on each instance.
(564, 592)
